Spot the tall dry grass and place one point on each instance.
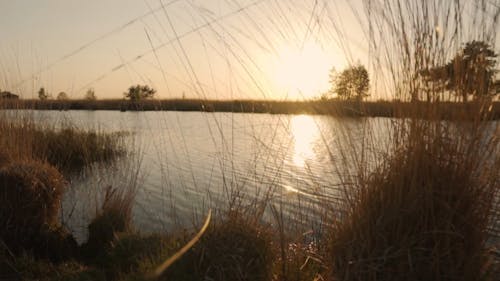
(31, 192)
(233, 248)
(35, 163)
(68, 148)
(424, 212)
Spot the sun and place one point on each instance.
(302, 73)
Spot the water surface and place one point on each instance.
(187, 162)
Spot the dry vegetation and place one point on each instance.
(423, 212)
(333, 107)
(68, 148)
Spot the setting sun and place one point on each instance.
(303, 73)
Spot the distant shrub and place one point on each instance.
(42, 94)
(30, 195)
(352, 83)
(62, 96)
(90, 95)
(139, 92)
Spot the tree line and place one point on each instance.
(471, 72)
(134, 93)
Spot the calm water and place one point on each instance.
(187, 162)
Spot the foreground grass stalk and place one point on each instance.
(161, 269)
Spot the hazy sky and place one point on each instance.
(216, 49)
(202, 48)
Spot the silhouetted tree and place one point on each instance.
(351, 83)
(62, 96)
(42, 94)
(139, 92)
(470, 72)
(90, 94)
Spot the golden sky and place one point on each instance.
(210, 49)
(220, 49)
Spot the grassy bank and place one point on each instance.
(324, 107)
(35, 163)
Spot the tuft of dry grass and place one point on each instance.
(114, 217)
(236, 248)
(133, 255)
(423, 214)
(424, 211)
(71, 148)
(30, 195)
(68, 148)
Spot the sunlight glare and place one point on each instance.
(302, 73)
(305, 132)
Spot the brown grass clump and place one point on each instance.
(30, 195)
(27, 267)
(69, 148)
(55, 243)
(4, 157)
(115, 216)
(132, 255)
(423, 214)
(236, 248)
(303, 262)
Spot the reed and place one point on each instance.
(68, 148)
(422, 214)
(115, 216)
(332, 107)
(71, 149)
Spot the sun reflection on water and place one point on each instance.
(304, 131)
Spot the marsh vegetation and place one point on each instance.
(410, 197)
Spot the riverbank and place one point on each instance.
(446, 110)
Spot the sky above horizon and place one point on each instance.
(210, 49)
(220, 49)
